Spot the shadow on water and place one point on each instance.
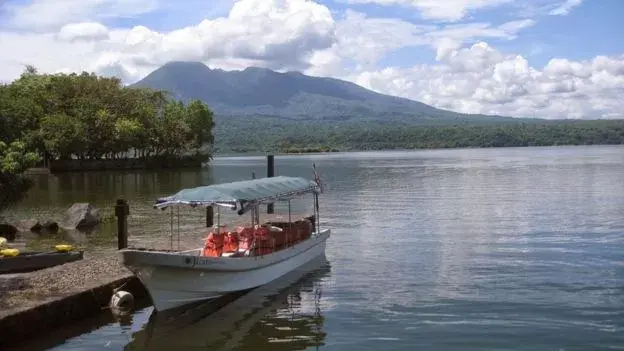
(269, 317)
(88, 325)
(276, 316)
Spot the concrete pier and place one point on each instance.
(37, 303)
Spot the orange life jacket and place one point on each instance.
(231, 242)
(214, 245)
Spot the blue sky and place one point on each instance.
(549, 58)
(594, 27)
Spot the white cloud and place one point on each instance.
(455, 10)
(45, 51)
(83, 31)
(565, 7)
(480, 79)
(52, 14)
(367, 40)
(469, 74)
(448, 10)
(269, 33)
(546, 7)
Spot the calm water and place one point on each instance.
(496, 249)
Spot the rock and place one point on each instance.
(81, 216)
(29, 225)
(36, 226)
(8, 231)
(50, 227)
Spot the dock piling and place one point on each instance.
(270, 173)
(209, 216)
(122, 210)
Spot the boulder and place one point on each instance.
(36, 226)
(8, 231)
(50, 227)
(29, 225)
(81, 216)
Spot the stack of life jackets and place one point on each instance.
(264, 244)
(214, 242)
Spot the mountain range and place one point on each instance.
(293, 96)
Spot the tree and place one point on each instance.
(14, 184)
(199, 118)
(63, 135)
(84, 116)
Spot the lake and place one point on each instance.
(490, 249)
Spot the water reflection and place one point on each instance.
(284, 315)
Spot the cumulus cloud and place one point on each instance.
(366, 40)
(258, 31)
(481, 79)
(270, 33)
(83, 31)
(468, 75)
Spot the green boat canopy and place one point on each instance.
(256, 191)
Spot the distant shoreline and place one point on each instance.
(46, 171)
(311, 138)
(261, 154)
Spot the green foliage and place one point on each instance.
(200, 120)
(62, 135)
(87, 117)
(84, 116)
(14, 160)
(309, 137)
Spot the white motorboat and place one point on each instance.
(236, 260)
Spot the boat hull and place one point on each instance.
(33, 261)
(174, 279)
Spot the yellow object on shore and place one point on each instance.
(3, 242)
(9, 252)
(63, 248)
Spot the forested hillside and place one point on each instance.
(312, 137)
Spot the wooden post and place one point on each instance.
(209, 216)
(122, 210)
(270, 173)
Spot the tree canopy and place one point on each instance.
(14, 161)
(88, 117)
(236, 136)
(85, 116)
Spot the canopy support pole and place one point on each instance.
(209, 216)
(290, 225)
(270, 173)
(316, 214)
(218, 220)
(171, 231)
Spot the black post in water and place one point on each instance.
(122, 210)
(270, 173)
(209, 216)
